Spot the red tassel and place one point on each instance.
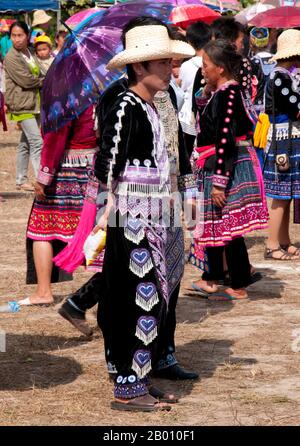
(72, 255)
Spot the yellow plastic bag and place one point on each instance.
(93, 245)
(261, 131)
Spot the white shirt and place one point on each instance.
(187, 74)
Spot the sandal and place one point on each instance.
(285, 256)
(290, 245)
(161, 396)
(145, 403)
(224, 296)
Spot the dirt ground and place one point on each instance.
(247, 353)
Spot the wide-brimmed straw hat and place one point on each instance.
(40, 17)
(150, 42)
(288, 45)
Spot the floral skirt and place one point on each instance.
(245, 209)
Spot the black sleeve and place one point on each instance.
(199, 82)
(184, 161)
(115, 139)
(287, 98)
(108, 98)
(173, 97)
(245, 76)
(226, 107)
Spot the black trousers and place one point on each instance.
(90, 294)
(189, 142)
(239, 267)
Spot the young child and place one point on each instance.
(59, 40)
(43, 50)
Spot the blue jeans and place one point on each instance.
(30, 146)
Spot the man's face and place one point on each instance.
(19, 38)
(156, 77)
(43, 51)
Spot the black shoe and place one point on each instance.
(76, 318)
(174, 372)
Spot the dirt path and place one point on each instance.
(247, 353)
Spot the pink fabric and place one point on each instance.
(259, 176)
(72, 255)
(204, 153)
(207, 151)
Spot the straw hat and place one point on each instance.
(149, 42)
(42, 39)
(40, 17)
(288, 45)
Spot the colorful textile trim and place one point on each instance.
(220, 181)
(44, 176)
(78, 158)
(282, 131)
(146, 296)
(129, 387)
(134, 230)
(140, 262)
(146, 329)
(187, 182)
(72, 158)
(141, 363)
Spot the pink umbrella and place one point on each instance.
(282, 17)
(80, 16)
(184, 15)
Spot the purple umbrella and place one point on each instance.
(78, 75)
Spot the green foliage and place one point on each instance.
(246, 3)
(71, 7)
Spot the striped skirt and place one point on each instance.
(57, 217)
(245, 209)
(283, 185)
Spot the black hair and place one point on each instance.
(175, 34)
(198, 34)
(19, 24)
(60, 33)
(223, 54)
(133, 23)
(227, 28)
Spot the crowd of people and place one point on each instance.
(206, 121)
